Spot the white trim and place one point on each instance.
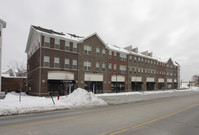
(161, 80)
(118, 78)
(60, 75)
(150, 79)
(169, 80)
(93, 77)
(136, 79)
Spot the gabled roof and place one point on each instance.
(94, 34)
(3, 23)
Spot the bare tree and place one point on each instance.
(18, 70)
(195, 78)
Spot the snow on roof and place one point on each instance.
(117, 48)
(50, 32)
(9, 76)
(73, 37)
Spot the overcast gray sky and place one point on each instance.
(168, 28)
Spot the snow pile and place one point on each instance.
(184, 85)
(81, 97)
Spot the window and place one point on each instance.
(74, 64)
(115, 68)
(46, 61)
(97, 67)
(135, 71)
(122, 69)
(110, 67)
(66, 64)
(56, 45)
(130, 70)
(145, 61)
(130, 58)
(122, 57)
(87, 66)
(87, 49)
(67, 45)
(110, 54)
(103, 67)
(0, 33)
(142, 61)
(103, 52)
(56, 62)
(46, 41)
(138, 59)
(74, 47)
(115, 55)
(97, 51)
(135, 59)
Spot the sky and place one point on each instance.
(168, 28)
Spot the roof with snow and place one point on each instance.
(51, 32)
(75, 38)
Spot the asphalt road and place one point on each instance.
(176, 115)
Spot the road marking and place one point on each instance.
(38, 122)
(120, 131)
(150, 121)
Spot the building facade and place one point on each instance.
(59, 63)
(2, 25)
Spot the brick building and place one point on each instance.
(2, 25)
(59, 63)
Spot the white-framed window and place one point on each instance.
(110, 67)
(135, 59)
(97, 67)
(138, 59)
(87, 65)
(122, 57)
(142, 61)
(74, 47)
(103, 67)
(130, 58)
(56, 62)
(145, 61)
(97, 52)
(47, 42)
(46, 61)
(57, 44)
(110, 54)
(67, 45)
(103, 52)
(67, 63)
(135, 70)
(115, 55)
(115, 68)
(130, 70)
(87, 49)
(122, 69)
(74, 64)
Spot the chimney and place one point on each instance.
(135, 50)
(145, 53)
(129, 48)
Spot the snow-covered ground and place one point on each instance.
(79, 98)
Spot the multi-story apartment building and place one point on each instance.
(60, 63)
(2, 25)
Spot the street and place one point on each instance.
(175, 115)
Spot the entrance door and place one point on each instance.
(136, 86)
(150, 85)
